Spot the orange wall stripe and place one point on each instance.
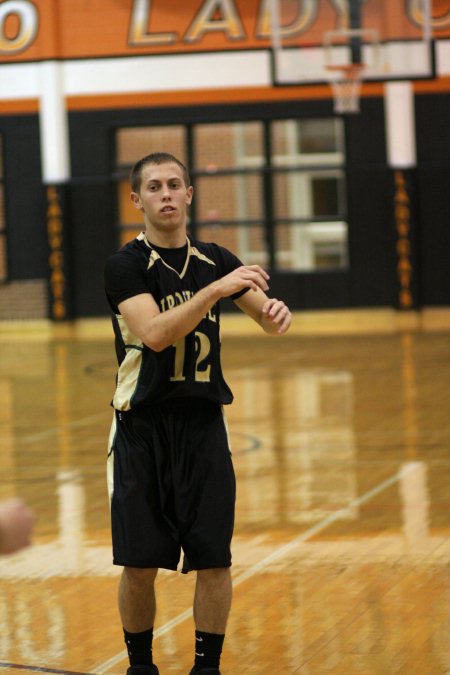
(440, 85)
(21, 107)
(223, 96)
(196, 97)
(211, 96)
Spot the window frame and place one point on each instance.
(266, 168)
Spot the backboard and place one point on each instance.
(315, 40)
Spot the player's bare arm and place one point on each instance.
(159, 330)
(273, 315)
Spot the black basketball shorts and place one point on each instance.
(172, 486)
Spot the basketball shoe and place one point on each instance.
(143, 670)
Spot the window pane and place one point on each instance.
(136, 142)
(246, 241)
(316, 246)
(307, 187)
(325, 196)
(331, 254)
(296, 138)
(219, 199)
(322, 135)
(308, 194)
(224, 198)
(228, 145)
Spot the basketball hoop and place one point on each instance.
(345, 81)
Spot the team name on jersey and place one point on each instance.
(178, 298)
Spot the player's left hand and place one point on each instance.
(278, 314)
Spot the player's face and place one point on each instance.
(163, 196)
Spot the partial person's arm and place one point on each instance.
(272, 315)
(159, 330)
(16, 526)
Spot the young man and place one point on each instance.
(170, 473)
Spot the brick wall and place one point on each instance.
(23, 300)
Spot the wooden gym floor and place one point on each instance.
(342, 548)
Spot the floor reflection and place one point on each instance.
(342, 550)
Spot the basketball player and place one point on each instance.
(171, 478)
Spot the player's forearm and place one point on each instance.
(167, 327)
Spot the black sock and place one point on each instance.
(139, 646)
(208, 648)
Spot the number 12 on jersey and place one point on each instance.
(202, 350)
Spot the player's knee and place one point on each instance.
(138, 575)
(215, 575)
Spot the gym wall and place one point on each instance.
(202, 69)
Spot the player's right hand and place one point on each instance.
(246, 276)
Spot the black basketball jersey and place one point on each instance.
(189, 368)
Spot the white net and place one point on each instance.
(345, 82)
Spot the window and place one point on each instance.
(229, 204)
(3, 251)
(273, 192)
(309, 194)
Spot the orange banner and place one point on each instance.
(66, 29)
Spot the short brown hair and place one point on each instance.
(155, 158)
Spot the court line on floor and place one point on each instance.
(40, 669)
(53, 431)
(276, 555)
